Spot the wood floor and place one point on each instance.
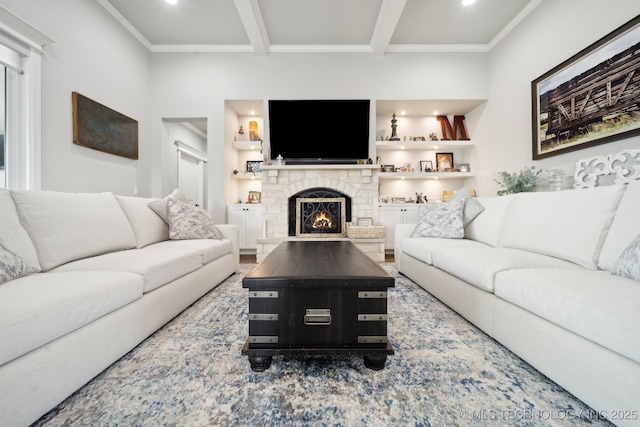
(251, 258)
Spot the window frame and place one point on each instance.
(23, 127)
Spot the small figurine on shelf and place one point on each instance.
(394, 135)
(279, 159)
(420, 198)
(433, 136)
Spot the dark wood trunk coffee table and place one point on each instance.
(317, 297)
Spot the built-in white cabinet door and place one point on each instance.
(248, 218)
(391, 215)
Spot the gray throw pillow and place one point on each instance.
(472, 207)
(440, 220)
(187, 221)
(628, 264)
(12, 266)
(160, 206)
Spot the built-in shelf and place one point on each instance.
(320, 166)
(247, 145)
(425, 175)
(422, 145)
(247, 175)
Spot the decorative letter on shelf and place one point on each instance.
(458, 124)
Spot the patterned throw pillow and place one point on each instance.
(187, 221)
(472, 207)
(12, 266)
(628, 264)
(161, 206)
(440, 220)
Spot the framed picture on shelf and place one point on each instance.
(254, 166)
(426, 166)
(444, 161)
(388, 168)
(385, 199)
(398, 200)
(463, 167)
(589, 98)
(254, 197)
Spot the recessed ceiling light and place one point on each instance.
(176, 1)
(464, 2)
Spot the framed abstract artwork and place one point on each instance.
(101, 128)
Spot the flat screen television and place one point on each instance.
(319, 131)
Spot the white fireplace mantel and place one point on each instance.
(279, 182)
(319, 167)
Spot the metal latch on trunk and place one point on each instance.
(317, 316)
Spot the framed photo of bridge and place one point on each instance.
(592, 98)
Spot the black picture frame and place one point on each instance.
(444, 161)
(591, 98)
(426, 166)
(254, 166)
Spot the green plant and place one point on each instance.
(517, 182)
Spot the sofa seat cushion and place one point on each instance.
(39, 308)
(68, 226)
(479, 265)
(157, 265)
(422, 247)
(594, 304)
(209, 249)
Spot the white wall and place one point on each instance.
(95, 56)
(551, 34)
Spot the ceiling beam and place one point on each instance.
(390, 12)
(253, 23)
(125, 23)
(514, 22)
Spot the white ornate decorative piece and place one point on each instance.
(624, 167)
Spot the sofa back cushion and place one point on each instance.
(68, 226)
(624, 228)
(12, 235)
(146, 224)
(487, 226)
(568, 224)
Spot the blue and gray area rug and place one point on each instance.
(445, 372)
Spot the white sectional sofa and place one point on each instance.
(533, 271)
(99, 275)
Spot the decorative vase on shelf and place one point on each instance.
(253, 131)
(556, 179)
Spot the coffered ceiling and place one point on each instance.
(271, 26)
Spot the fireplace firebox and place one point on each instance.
(320, 217)
(319, 212)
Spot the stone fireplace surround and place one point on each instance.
(280, 182)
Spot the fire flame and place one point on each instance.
(322, 221)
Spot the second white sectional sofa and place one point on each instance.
(534, 271)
